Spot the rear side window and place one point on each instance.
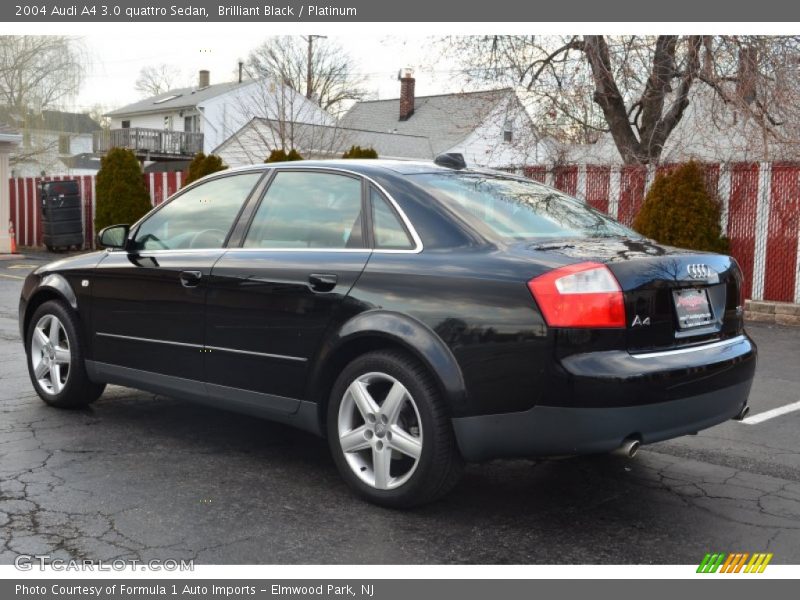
(308, 210)
(199, 218)
(386, 225)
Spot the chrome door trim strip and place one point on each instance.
(261, 354)
(152, 341)
(201, 347)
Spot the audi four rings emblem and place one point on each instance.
(698, 271)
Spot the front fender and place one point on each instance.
(52, 284)
(59, 283)
(407, 332)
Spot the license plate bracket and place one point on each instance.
(693, 308)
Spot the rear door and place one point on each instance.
(271, 300)
(149, 301)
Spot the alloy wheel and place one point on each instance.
(380, 430)
(50, 354)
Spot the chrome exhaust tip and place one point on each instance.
(742, 413)
(628, 449)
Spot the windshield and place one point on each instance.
(519, 209)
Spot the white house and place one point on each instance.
(179, 123)
(490, 128)
(53, 143)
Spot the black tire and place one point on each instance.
(439, 466)
(78, 390)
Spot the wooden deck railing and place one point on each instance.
(154, 142)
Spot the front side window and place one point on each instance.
(199, 218)
(308, 210)
(517, 209)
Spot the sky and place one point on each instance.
(115, 59)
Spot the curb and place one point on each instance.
(779, 313)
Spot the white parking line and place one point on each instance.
(771, 414)
(11, 276)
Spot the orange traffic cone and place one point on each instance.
(13, 236)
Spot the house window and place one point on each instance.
(63, 144)
(190, 124)
(126, 125)
(508, 132)
(168, 123)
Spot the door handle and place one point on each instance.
(190, 278)
(322, 282)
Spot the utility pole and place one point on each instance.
(309, 68)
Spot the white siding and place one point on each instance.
(43, 155)
(485, 146)
(224, 115)
(80, 143)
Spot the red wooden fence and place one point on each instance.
(26, 213)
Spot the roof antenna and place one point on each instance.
(451, 160)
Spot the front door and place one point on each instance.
(148, 302)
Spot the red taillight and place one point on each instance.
(582, 295)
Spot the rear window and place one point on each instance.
(518, 209)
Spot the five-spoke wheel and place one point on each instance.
(50, 354)
(380, 431)
(56, 357)
(390, 432)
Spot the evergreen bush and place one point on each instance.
(203, 165)
(679, 211)
(359, 152)
(120, 193)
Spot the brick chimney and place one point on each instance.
(406, 77)
(204, 80)
(747, 75)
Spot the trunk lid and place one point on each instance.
(673, 297)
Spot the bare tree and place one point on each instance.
(156, 79)
(98, 113)
(279, 118)
(315, 66)
(636, 88)
(38, 72)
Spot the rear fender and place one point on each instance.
(395, 329)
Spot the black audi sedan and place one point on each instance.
(417, 314)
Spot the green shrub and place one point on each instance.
(679, 211)
(120, 192)
(282, 156)
(359, 152)
(203, 165)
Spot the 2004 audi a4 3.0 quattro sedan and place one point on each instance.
(416, 314)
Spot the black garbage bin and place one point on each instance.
(62, 222)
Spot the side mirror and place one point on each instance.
(114, 236)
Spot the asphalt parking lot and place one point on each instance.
(148, 477)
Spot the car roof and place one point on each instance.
(367, 166)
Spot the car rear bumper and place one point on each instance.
(674, 406)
